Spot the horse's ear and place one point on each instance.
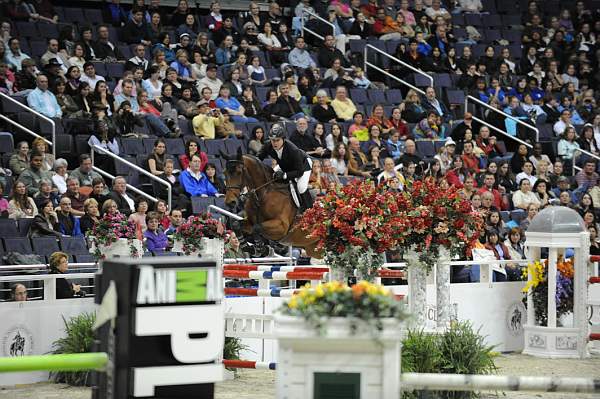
(225, 156)
(239, 153)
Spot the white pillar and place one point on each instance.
(552, 256)
(442, 280)
(532, 253)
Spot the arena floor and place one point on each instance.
(257, 384)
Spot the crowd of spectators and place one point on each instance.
(228, 76)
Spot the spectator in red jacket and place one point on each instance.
(470, 161)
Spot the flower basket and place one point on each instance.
(336, 329)
(198, 235)
(114, 235)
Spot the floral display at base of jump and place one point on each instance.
(109, 229)
(197, 227)
(364, 302)
(539, 288)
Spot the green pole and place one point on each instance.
(62, 362)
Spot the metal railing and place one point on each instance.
(44, 117)
(312, 32)
(517, 120)
(490, 126)
(589, 154)
(133, 166)
(225, 212)
(396, 78)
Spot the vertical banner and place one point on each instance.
(168, 336)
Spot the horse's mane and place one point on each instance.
(266, 171)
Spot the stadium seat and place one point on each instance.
(74, 15)
(8, 228)
(7, 143)
(27, 29)
(47, 30)
(214, 147)
(84, 258)
(44, 245)
(174, 146)
(132, 146)
(376, 96)
(393, 96)
(473, 20)
(21, 245)
(359, 96)
(425, 148)
(23, 224)
(491, 20)
(74, 245)
(94, 16)
(232, 145)
(200, 204)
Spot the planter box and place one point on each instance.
(557, 342)
(303, 354)
(211, 248)
(120, 249)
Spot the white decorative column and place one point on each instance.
(442, 285)
(417, 288)
(552, 256)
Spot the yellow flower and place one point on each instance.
(319, 291)
(293, 303)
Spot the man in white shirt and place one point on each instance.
(14, 56)
(527, 173)
(42, 100)
(210, 80)
(299, 57)
(89, 75)
(436, 10)
(563, 123)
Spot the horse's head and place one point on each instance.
(234, 178)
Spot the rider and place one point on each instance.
(293, 163)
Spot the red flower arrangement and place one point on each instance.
(109, 229)
(197, 227)
(439, 218)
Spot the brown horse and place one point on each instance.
(269, 208)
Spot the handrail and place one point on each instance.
(44, 117)
(226, 213)
(72, 266)
(489, 125)
(589, 154)
(305, 11)
(420, 72)
(520, 122)
(96, 147)
(27, 130)
(34, 277)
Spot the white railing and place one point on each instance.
(589, 154)
(29, 109)
(399, 61)
(304, 28)
(502, 132)
(517, 120)
(133, 166)
(225, 212)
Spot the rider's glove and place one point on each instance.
(279, 175)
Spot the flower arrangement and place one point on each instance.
(539, 288)
(363, 302)
(436, 218)
(355, 224)
(197, 227)
(109, 229)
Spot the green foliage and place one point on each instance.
(232, 348)
(459, 350)
(78, 339)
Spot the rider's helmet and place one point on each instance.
(277, 131)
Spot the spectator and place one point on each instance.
(587, 177)
(135, 30)
(340, 159)
(586, 204)
(46, 193)
(257, 140)
(541, 190)
(287, 107)
(191, 148)
(299, 57)
(524, 196)
(25, 79)
(537, 156)
(532, 211)
(335, 137)
(84, 172)
(526, 173)
(211, 81)
(305, 141)
(176, 219)
(233, 249)
(233, 107)
(322, 111)
(89, 75)
(59, 264)
(564, 199)
(33, 175)
(139, 216)
(106, 50)
(125, 204)
(68, 224)
(45, 223)
(216, 181)
(563, 123)
(161, 208)
(410, 155)
(19, 160)
(156, 239)
(541, 172)
(587, 141)
(568, 146)
(489, 183)
(18, 293)
(470, 160)
(42, 100)
(518, 159)
(194, 181)
(77, 199)
(98, 191)
(156, 160)
(342, 105)
(91, 215)
(14, 56)
(358, 128)
(430, 127)
(328, 53)
(358, 161)
(52, 52)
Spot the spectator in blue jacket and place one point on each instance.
(67, 223)
(156, 239)
(194, 182)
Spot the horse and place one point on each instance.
(270, 210)
(17, 347)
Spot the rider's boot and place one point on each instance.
(306, 201)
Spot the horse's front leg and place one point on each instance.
(274, 229)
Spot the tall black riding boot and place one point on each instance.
(307, 201)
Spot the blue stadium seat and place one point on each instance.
(359, 96)
(357, 46)
(81, 143)
(7, 143)
(425, 148)
(394, 96)
(492, 35)
(512, 36)
(23, 224)
(456, 96)
(10, 107)
(84, 258)
(491, 20)
(473, 19)
(174, 146)
(132, 146)
(376, 96)
(74, 15)
(420, 80)
(48, 30)
(74, 245)
(44, 245)
(8, 228)
(213, 147)
(200, 204)
(100, 68)
(27, 29)
(21, 245)
(115, 70)
(442, 80)
(458, 20)
(232, 145)
(94, 16)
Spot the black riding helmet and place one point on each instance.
(277, 132)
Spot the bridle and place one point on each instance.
(254, 193)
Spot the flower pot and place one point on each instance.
(209, 247)
(303, 353)
(354, 261)
(121, 248)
